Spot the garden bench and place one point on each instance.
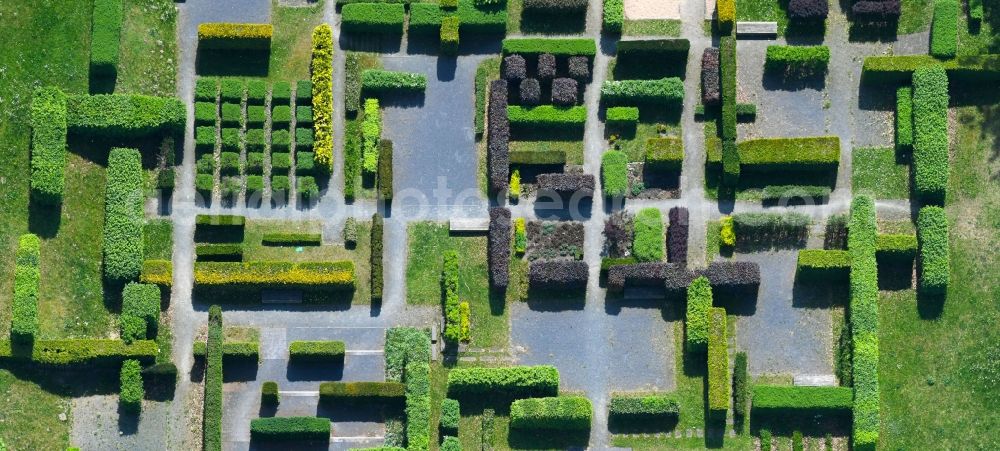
(815, 380)
(756, 29)
(467, 225)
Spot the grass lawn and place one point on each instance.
(47, 51)
(946, 357)
(915, 16)
(713, 243)
(428, 241)
(652, 27)
(361, 255)
(573, 149)
(878, 174)
(634, 144)
(30, 415)
(291, 45)
(763, 11)
(159, 239)
(148, 62)
(71, 300)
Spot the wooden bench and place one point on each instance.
(756, 29)
(469, 225)
(815, 380)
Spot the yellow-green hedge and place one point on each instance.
(322, 96)
(235, 36)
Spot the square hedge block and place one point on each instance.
(232, 114)
(204, 139)
(256, 92)
(304, 163)
(256, 115)
(281, 162)
(230, 187)
(280, 184)
(303, 137)
(255, 163)
(232, 90)
(229, 163)
(205, 113)
(230, 140)
(280, 141)
(303, 115)
(206, 89)
(205, 164)
(303, 91)
(255, 183)
(281, 116)
(255, 140)
(203, 183)
(281, 93)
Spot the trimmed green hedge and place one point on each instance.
(206, 89)
(896, 246)
(292, 239)
(741, 385)
(556, 413)
(385, 170)
(627, 408)
(613, 17)
(251, 276)
(727, 71)
(373, 18)
(648, 243)
(80, 352)
(449, 35)
(451, 415)
(105, 37)
(861, 239)
(899, 69)
(159, 272)
(362, 392)
(785, 154)
(142, 301)
(718, 362)
(269, 395)
(24, 308)
(124, 215)
(665, 91)
(537, 157)
(622, 116)
(699, 302)
(546, 116)
(614, 173)
(131, 390)
(935, 266)
(219, 228)
(316, 351)
(235, 36)
(425, 18)
(904, 117)
(125, 116)
(509, 382)
(48, 145)
(280, 429)
(212, 415)
(371, 134)
(664, 154)
(378, 224)
(381, 81)
(219, 252)
(930, 133)
(798, 60)
(449, 283)
(823, 264)
(485, 20)
(555, 46)
(802, 401)
(418, 406)
(944, 29)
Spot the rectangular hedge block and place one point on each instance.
(801, 401)
(293, 429)
(556, 413)
(944, 29)
(665, 154)
(665, 91)
(904, 117)
(513, 382)
(823, 264)
(699, 302)
(316, 351)
(547, 116)
(373, 18)
(555, 46)
(718, 362)
(234, 36)
(930, 133)
(932, 232)
(48, 145)
(362, 392)
(124, 215)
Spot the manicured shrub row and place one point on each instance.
(212, 416)
(219, 252)
(123, 215)
(373, 18)
(932, 232)
(665, 154)
(710, 76)
(376, 256)
(564, 92)
(801, 401)
(624, 273)
(557, 274)
(418, 406)
(48, 145)
(232, 351)
(362, 392)
(292, 239)
(381, 81)
(404, 345)
(231, 90)
(731, 158)
(219, 228)
(896, 246)
(614, 16)
(648, 242)
(510, 382)
(718, 362)
(875, 10)
(622, 116)
(930, 134)
(384, 170)
(546, 116)
(81, 352)
(316, 351)
(124, 116)
(282, 429)
(789, 154)
(732, 275)
(159, 272)
(498, 138)
(131, 390)
(449, 282)
(371, 134)
(823, 264)
(425, 18)
(322, 97)
(24, 309)
(235, 36)
(554, 46)
(864, 322)
(485, 21)
(699, 302)
(725, 11)
(269, 395)
(741, 385)
(450, 415)
(567, 185)
(765, 228)
(449, 35)
(555, 413)
(520, 237)
(904, 117)
(131, 328)
(556, 6)
(257, 274)
(899, 69)
(142, 301)
(808, 10)
(665, 91)
(677, 235)
(629, 408)
(944, 29)
(614, 173)
(499, 246)
(206, 89)
(797, 60)
(105, 37)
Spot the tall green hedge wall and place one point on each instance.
(105, 37)
(861, 239)
(24, 315)
(48, 145)
(930, 132)
(124, 216)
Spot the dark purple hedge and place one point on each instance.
(677, 236)
(531, 92)
(498, 139)
(564, 184)
(876, 10)
(710, 76)
(499, 247)
(732, 275)
(650, 274)
(564, 91)
(514, 68)
(564, 274)
(546, 66)
(808, 9)
(579, 68)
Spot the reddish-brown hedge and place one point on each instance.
(710, 76)
(563, 184)
(564, 91)
(514, 68)
(558, 274)
(499, 246)
(677, 236)
(732, 275)
(498, 139)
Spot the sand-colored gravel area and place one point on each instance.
(652, 9)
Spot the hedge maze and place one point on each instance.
(275, 270)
